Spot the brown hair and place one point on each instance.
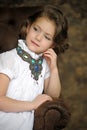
(55, 14)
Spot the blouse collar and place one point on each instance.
(23, 45)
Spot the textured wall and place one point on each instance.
(73, 68)
(73, 63)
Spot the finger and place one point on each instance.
(50, 50)
(47, 56)
(50, 53)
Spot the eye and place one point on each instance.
(36, 29)
(48, 38)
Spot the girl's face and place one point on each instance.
(40, 35)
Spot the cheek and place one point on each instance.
(29, 35)
(46, 46)
(50, 45)
(29, 32)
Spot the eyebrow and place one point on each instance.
(44, 32)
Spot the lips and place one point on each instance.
(34, 43)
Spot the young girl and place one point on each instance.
(31, 68)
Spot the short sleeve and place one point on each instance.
(47, 70)
(7, 64)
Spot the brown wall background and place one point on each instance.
(73, 63)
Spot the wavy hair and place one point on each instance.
(55, 14)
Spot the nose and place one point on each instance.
(39, 37)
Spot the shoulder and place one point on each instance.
(8, 63)
(8, 56)
(8, 52)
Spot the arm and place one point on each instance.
(52, 84)
(11, 105)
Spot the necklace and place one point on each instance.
(35, 65)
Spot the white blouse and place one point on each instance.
(22, 87)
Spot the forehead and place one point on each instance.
(47, 25)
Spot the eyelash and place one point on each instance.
(47, 38)
(35, 28)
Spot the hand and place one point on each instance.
(51, 58)
(40, 99)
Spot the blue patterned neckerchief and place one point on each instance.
(35, 65)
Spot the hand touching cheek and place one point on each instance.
(51, 59)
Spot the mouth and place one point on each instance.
(34, 43)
